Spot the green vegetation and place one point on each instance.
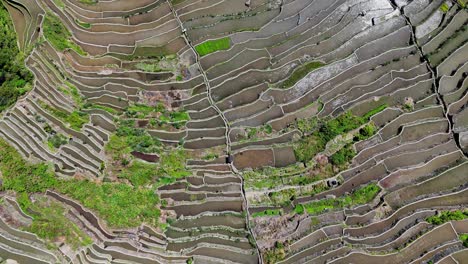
(101, 107)
(161, 115)
(139, 173)
(359, 196)
(318, 132)
(158, 64)
(15, 78)
(343, 156)
(83, 24)
(137, 138)
(269, 212)
(150, 67)
(446, 216)
(375, 111)
(210, 156)
(444, 8)
(58, 35)
(57, 140)
(50, 223)
(119, 205)
(299, 209)
(72, 91)
(60, 4)
(300, 72)
(462, 3)
(306, 148)
(275, 254)
(464, 239)
(211, 46)
(170, 168)
(75, 119)
(89, 2)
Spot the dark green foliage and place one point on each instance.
(360, 196)
(15, 78)
(300, 72)
(58, 140)
(446, 216)
(120, 205)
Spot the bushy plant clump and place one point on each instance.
(15, 78)
(446, 216)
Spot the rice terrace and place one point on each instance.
(234, 131)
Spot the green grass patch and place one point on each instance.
(462, 3)
(170, 168)
(89, 2)
(50, 223)
(58, 35)
(15, 78)
(446, 216)
(300, 72)
(269, 212)
(360, 196)
(343, 156)
(161, 115)
(211, 46)
(210, 156)
(75, 119)
(60, 4)
(120, 205)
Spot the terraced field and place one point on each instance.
(234, 131)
